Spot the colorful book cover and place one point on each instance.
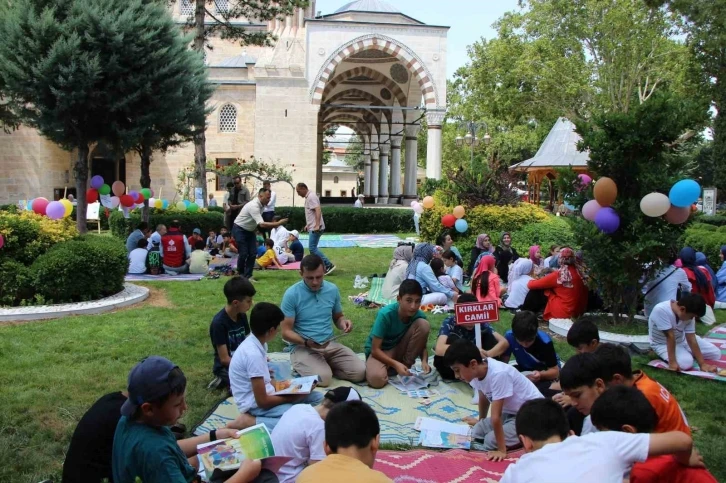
(227, 454)
(440, 439)
(299, 385)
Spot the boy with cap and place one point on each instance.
(294, 246)
(143, 446)
(300, 434)
(196, 236)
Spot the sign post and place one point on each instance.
(476, 313)
(709, 201)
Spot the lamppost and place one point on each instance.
(470, 139)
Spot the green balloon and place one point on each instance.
(181, 206)
(104, 189)
(146, 192)
(193, 207)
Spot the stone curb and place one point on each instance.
(130, 295)
(562, 326)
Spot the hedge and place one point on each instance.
(16, 283)
(337, 220)
(707, 240)
(718, 220)
(86, 268)
(28, 235)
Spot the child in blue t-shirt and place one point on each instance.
(534, 351)
(294, 245)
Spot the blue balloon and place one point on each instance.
(164, 204)
(461, 226)
(29, 206)
(186, 203)
(684, 193)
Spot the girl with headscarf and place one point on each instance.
(566, 288)
(402, 255)
(420, 270)
(702, 261)
(721, 280)
(698, 276)
(482, 247)
(485, 283)
(519, 276)
(535, 256)
(505, 254)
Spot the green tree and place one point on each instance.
(354, 153)
(206, 22)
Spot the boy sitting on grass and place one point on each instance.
(534, 352)
(143, 446)
(605, 457)
(626, 409)
(228, 249)
(500, 385)
(269, 258)
(249, 374)
(672, 333)
(581, 380)
(493, 344)
(584, 335)
(199, 259)
(230, 327)
(352, 438)
(397, 337)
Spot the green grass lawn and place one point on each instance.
(53, 371)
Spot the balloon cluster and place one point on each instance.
(452, 220)
(55, 210)
(598, 210)
(133, 199)
(677, 206)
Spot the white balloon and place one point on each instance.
(417, 207)
(115, 200)
(655, 204)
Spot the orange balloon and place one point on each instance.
(428, 202)
(605, 191)
(459, 212)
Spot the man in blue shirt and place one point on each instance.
(309, 307)
(141, 231)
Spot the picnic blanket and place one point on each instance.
(220, 261)
(453, 466)
(375, 292)
(346, 241)
(396, 411)
(716, 336)
(166, 277)
(287, 266)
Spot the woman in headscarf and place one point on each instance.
(519, 276)
(402, 256)
(698, 276)
(535, 256)
(566, 288)
(420, 270)
(702, 261)
(721, 279)
(505, 254)
(482, 247)
(485, 283)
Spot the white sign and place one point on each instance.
(709, 201)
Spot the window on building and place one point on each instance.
(327, 193)
(335, 180)
(222, 5)
(228, 118)
(186, 7)
(343, 193)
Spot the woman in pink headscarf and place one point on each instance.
(566, 288)
(485, 284)
(535, 255)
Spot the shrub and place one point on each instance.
(554, 230)
(28, 235)
(718, 220)
(704, 227)
(15, 282)
(216, 209)
(204, 220)
(707, 241)
(87, 268)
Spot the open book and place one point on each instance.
(224, 456)
(299, 385)
(442, 434)
(408, 383)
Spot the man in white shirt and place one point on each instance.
(268, 213)
(672, 333)
(244, 228)
(553, 457)
(156, 236)
(664, 287)
(359, 202)
(300, 433)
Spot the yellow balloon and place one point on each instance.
(68, 206)
(459, 212)
(181, 206)
(428, 202)
(158, 204)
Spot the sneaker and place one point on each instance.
(329, 270)
(252, 279)
(215, 384)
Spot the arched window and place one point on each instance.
(186, 7)
(228, 118)
(335, 180)
(222, 5)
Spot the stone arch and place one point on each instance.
(358, 93)
(387, 44)
(399, 95)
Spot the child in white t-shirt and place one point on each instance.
(453, 270)
(300, 433)
(498, 384)
(137, 258)
(249, 374)
(553, 457)
(672, 333)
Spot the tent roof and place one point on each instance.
(559, 149)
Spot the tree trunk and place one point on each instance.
(719, 133)
(200, 140)
(145, 178)
(80, 170)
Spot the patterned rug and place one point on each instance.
(396, 411)
(716, 336)
(346, 241)
(453, 466)
(186, 277)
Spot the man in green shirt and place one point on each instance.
(398, 337)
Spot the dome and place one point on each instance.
(377, 6)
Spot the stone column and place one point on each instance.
(374, 173)
(319, 161)
(383, 174)
(395, 167)
(409, 176)
(367, 173)
(434, 119)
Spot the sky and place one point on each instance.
(470, 20)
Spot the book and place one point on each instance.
(226, 455)
(299, 385)
(443, 434)
(408, 383)
(423, 423)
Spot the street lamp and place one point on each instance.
(470, 139)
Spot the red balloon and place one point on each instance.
(92, 195)
(39, 205)
(126, 200)
(140, 199)
(448, 220)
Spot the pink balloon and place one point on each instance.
(584, 181)
(590, 209)
(39, 205)
(118, 188)
(676, 215)
(55, 210)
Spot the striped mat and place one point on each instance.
(375, 292)
(716, 336)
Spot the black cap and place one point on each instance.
(148, 381)
(343, 394)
